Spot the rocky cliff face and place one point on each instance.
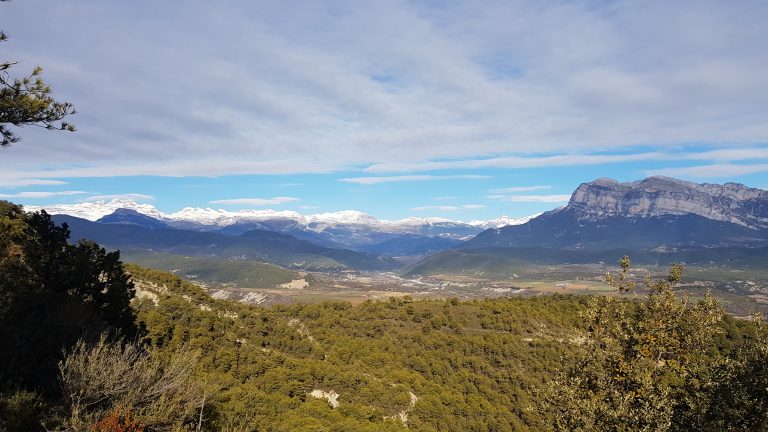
(664, 196)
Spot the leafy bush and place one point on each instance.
(21, 411)
(108, 377)
(649, 366)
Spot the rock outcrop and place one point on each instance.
(664, 196)
(642, 215)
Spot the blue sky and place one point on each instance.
(459, 109)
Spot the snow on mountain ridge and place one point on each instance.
(95, 210)
(415, 221)
(218, 217)
(352, 217)
(502, 221)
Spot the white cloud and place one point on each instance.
(727, 155)
(448, 208)
(518, 189)
(128, 196)
(408, 178)
(41, 194)
(712, 171)
(209, 166)
(438, 208)
(531, 198)
(10, 183)
(460, 83)
(255, 201)
(515, 162)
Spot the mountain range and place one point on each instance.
(208, 219)
(657, 219)
(258, 245)
(652, 213)
(340, 230)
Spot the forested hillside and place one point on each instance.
(470, 366)
(197, 363)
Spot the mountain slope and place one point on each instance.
(658, 220)
(259, 245)
(663, 196)
(654, 212)
(347, 229)
(504, 261)
(132, 217)
(410, 245)
(563, 229)
(242, 273)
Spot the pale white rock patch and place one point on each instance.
(403, 415)
(331, 396)
(296, 284)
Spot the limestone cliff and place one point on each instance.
(663, 196)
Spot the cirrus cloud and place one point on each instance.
(442, 86)
(18, 182)
(128, 196)
(255, 202)
(45, 194)
(448, 208)
(712, 171)
(531, 198)
(518, 189)
(408, 178)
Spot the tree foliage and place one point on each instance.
(650, 366)
(669, 362)
(53, 293)
(28, 101)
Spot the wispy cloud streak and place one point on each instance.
(513, 162)
(410, 178)
(447, 208)
(255, 202)
(531, 198)
(712, 171)
(41, 194)
(518, 189)
(448, 87)
(128, 196)
(19, 182)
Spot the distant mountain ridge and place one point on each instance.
(650, 213)
(657, 215)
(658, 220)
(664, 196)
(209, 217)
(347, 229)
(257, 245)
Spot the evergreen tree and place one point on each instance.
(28, 101)
(51, 294)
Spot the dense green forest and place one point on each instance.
(85, 347)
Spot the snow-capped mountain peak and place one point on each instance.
(350, 217)
(95, 210)
(421, 221)
(502, 221)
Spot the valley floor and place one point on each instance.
(742, 291)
